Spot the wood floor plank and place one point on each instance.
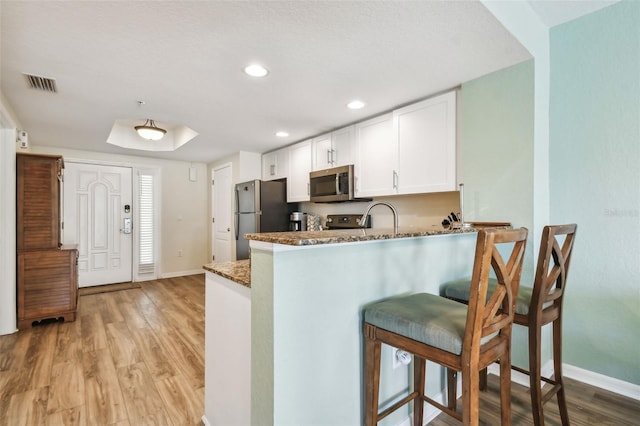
(187, 361)
(75, 416)
(28, 408)
(131, 314)
(181, 400)
(94, 336)
(69, 342)
(103, 396)
(123, 348)
(67, 386)
(87, 304)
(141, 396)
(108, 307)
(15, 350)
(6, 377)
(154, 354)
(39, 356)
(7, 347)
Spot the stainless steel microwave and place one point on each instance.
(332, 185)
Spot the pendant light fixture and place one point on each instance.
(150, 131)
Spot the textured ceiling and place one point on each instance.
(185, 60)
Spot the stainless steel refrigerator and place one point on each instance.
(261, 206)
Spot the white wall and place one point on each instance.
(184, 211)
(244, 166)
(7, 231)
(8, 123)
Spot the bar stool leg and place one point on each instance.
(372, 350)
(505, 389)
(452, 385)
(557, 370)
(534, 375)
(419, 371)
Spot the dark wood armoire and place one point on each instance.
(47, 272)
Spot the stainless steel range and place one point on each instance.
(345, 221)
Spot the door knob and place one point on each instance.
(228, 229)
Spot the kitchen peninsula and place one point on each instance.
(307, 291)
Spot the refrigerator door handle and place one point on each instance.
(236, 216)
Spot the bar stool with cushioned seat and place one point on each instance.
(537, 306)
(454, 335)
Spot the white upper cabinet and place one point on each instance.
(275, 164)
(376, 157)
(299, 168)
(333, 149)
(321, 147)
(426, 138)
(409, 151)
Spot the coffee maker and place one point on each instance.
(298, 221)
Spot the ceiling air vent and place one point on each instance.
(41, 83)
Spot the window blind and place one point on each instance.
(146, 255)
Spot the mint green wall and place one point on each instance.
(595, 181)
(307, 319)
(496, 161)
(496, 148)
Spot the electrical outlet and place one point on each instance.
(399, 357)
(394, 359)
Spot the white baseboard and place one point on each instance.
(601, 381)
(181, 273)
(521, 378)
(204, 420)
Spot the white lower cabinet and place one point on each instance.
(299, 168)
(227, 370)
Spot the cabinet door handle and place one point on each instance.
(329, 157)
(333, 160)
(395, 179)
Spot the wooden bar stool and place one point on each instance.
(454, 335)
(537, 306)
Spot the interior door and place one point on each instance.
(98, 218)
(222, 193)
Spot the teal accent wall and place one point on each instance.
(595, 182)
(496, 161)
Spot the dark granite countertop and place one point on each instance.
(307, 238)
(238, 271)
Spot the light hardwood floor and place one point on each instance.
(136, 357)
(132, 357)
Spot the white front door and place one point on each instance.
(97, 217)
(222, 191)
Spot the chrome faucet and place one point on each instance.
(363, 220)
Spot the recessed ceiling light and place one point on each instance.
(355, 104)
(282, 134)
(255, 70)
